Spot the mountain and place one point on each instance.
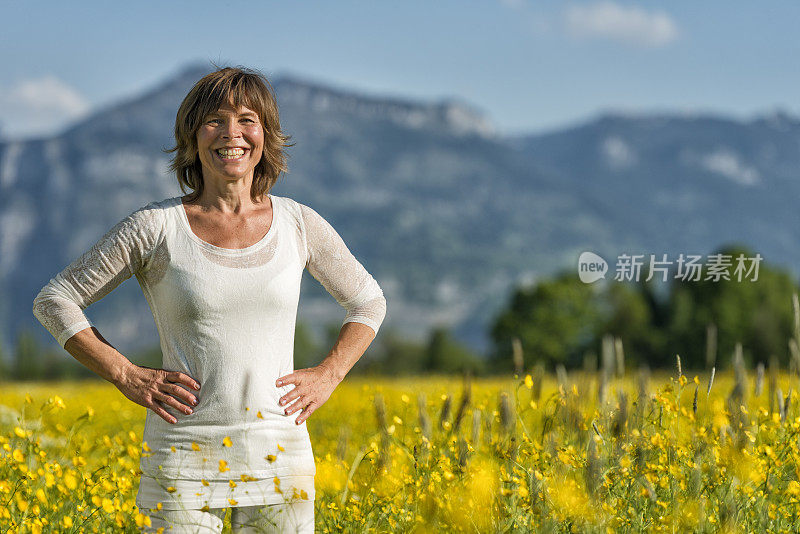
(445, 212)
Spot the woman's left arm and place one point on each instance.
(334, 266)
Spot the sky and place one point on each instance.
(529, 65)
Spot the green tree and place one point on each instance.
(444, 354)
(756, 313)
(629, 315)
(28, 359)
(396, 354)
(556, 321)
(306, 351)
(5, 368)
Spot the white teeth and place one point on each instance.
(231, 152)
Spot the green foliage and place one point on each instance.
(444, 354)
(395, 355)
(757, 314)
(556, 321)
(629, 314)
(307, 352)
(28, 361)
(560, 320)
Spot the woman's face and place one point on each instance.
(230, 143)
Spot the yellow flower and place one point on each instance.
(280, 448)
(233, 502)
(195, 446)
(142, 520)
(270, 458)
(223, 466)
(171, 489)
(528, 381)
(66, 521)
(108, 505)
(70, 481)
(172, 448)
(19, 432)
(227, 441)
(41, 496)
(22, 504)
(232, 483)
(259, 415)
(18, 456)
(146, 447)
(58, 402)
(204, 481)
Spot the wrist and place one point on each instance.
(119, 373)
(334, 370)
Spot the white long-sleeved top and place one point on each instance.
(225, 317)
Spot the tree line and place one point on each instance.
(555, 322)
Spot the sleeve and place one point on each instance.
(340, 273)
(122, 252)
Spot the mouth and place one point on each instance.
(231, 154)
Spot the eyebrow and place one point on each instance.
(245, 114)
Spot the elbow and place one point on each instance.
(382, 306)
(40, 304)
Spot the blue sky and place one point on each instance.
(529, 65)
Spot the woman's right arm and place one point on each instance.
(123, 251)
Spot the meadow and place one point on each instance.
(567, 452)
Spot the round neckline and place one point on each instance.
(184, 217)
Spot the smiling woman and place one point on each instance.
(221, 271)
(217, 107)
(231, 141)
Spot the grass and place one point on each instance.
(573, 453)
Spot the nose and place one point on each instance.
(231, 130)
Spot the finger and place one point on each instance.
(161, 412)
(307, 411)
(298, 405)
(180, 378)
(172, 401)
(285, 380)
(177, 391)
(286, 399)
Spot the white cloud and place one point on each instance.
(618, 153)
(726, 162)
(39, 106)
(630, 25)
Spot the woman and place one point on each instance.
(223, 427)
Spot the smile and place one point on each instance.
(230, 154)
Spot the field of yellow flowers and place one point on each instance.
(578, 452)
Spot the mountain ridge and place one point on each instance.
(447, 217)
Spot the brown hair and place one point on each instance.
(237, 86)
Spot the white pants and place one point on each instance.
(292, 517)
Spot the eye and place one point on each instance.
(213, 120)
(249, 120)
